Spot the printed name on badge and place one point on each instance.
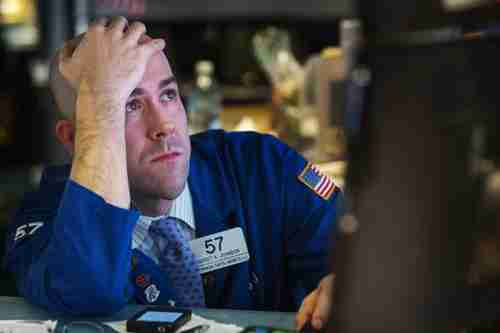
(219, 250)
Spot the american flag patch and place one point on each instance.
(317, 181)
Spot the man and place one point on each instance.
(95, 236)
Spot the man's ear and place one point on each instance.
(65, 133)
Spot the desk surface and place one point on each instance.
(18, 308)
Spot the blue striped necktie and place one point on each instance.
(177, 260)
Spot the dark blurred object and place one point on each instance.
(388, 16)
(485, 265)
(130, 8)
(7, 282)
(412, 182)
(412, 194)
(224, 9)
(14, 182)
(20, 129)
(55, 27)
(482, 299)
(463, 5)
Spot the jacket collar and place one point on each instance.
(213, 199)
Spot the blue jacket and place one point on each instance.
(71, 251)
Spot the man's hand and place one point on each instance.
(317, 305)
(104, 66)
(108, 61)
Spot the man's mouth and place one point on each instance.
(170, 156)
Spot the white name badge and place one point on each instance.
(220, 250)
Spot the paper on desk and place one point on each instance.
(27, 326)
(215, 327)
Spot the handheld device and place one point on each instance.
(158, 320)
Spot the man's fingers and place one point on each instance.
(99, 24)
(306, 309)
(322, 309)
(135, 31)
(145, 39)
(152, 46)
(101, 21)
(324, 302)
(70, 46)
(118, 25)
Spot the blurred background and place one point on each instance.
(240, 64)
(347, 86)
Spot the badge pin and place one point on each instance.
(152, 293)
(317, 181)
(142, 280)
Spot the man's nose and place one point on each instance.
(160, 127)
(161, 130)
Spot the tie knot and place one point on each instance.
(168, 239)
(167, 227)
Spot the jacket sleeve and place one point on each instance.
(309, 226)
(74, 259)
(299, 239)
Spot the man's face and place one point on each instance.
(158, 146)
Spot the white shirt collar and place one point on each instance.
(182, 208)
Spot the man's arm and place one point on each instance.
(72, 258)
(105, 67)
(78, 259)
(99, 161)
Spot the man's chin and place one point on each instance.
(170, 192)
(163, 186)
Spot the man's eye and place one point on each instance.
(133, 106)
(168, 95)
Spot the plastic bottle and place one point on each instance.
(205, 101)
